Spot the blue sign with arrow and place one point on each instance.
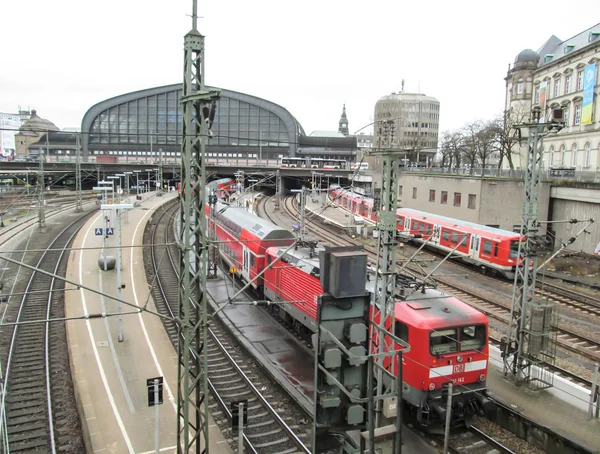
(98, 231)
(110, 231)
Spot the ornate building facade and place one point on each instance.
(561, 74)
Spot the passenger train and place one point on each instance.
(448, 338)
(313, 163)
(489, 248)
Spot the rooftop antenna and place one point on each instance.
(402, 91)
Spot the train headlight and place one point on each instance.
(511, 261)
(459, 358)
(431, 386)
(482, 377)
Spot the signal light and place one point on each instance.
(482, 377)
(431, 386)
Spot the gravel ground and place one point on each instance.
(509, 440)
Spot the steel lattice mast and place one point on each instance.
(384, 300)
(192, 421)
(528, 348)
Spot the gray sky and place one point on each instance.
(63, 56)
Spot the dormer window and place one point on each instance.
(569, 48)
(548, 58)
(593, 36)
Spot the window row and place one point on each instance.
(560, 85)
(444, 198)
(560, 157)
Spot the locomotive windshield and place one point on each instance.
(444, 341)
(450, 340)
(472, 337)
(514, 249)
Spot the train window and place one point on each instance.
(487, 247)
(402, 331)
(252, 261)
(514, 248)
(472, 337)
(443, 341)
(496, 250)
(455, 237)
(446, 234)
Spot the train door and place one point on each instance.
(474, 246)
(246, 263)
(437, 232)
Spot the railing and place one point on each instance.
(546, 174)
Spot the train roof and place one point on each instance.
(454, 221)
(260, 227)
(434, 310)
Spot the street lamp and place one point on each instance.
(127, 174)
(118, 208)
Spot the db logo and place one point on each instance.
(458, 368)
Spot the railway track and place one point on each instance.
(569, 340)
(39, 403)
(232, 374)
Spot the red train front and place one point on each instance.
(448, 338)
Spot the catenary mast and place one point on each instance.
(198, 105)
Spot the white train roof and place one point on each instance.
(260, 227)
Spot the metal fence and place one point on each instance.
(592, 176)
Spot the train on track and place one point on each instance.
(221, 186)
(492, 250)
(448, 338)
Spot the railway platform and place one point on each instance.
(110, 376)
(547, 409)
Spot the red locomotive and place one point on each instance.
(487, 247)
(448, 338)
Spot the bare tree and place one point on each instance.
(471, 139)
(506, 138)
(486, 142)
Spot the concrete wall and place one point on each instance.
(502, 203)
(577, 203)
(498, 202)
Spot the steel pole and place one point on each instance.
(156, 425)
(120, 308)
(448, 418)
(241, 428)
(78, 206)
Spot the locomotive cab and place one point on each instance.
(449, 344)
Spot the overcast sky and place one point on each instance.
(63, 56)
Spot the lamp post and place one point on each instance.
(118, 208)
(104, 190)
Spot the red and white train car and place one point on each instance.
(448, 338)
(243, 241)
(221, 186)
(487, 247)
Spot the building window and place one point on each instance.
(520, 87)
(537, 95)
(577, 120)
(580, 80)
(444, 199)
(566, 113)
(562, 155)
(432, 195)
(414, 193)
(472, 201)
(568, 84)
(557, 87)
(574, 153)
(400, 191)
(457, 199)
(588, 155)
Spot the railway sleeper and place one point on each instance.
(27, 419)
(268, 444)
(26, 429)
